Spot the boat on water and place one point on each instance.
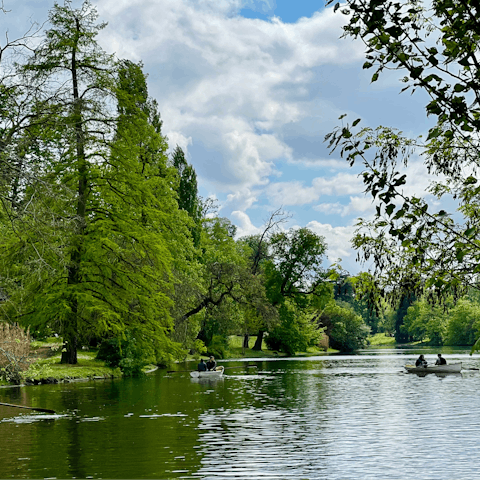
(217, 373)
(449, 368)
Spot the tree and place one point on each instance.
(74, 126)
(424, 321)
(295, 270)
(99, 261)
(295, 331)
(415, 247)
(463, 323)
(187, 190)
(346, 329)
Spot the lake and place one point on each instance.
(329, 417)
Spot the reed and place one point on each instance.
(14, 352)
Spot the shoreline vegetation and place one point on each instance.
(45, 367)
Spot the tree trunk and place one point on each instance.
(70, 328)
(258, 341)
(69, 352)
(245, 341)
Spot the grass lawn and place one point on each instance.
(381, 339)
(87, 367)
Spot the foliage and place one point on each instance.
(295, 270)
(463, 323)
(218, 346)
(295, 332)
(425, 321)
(98, 258)
(14, 352)
(346, 329)
(130, 353)
(416, 247)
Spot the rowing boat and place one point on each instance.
(217, 373)
(450, 368)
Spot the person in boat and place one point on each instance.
(421, 362)
(211, 364)
(202, 366)
(440, 360)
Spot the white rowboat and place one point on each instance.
(217, 373)
(450, 368)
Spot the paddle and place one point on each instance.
(45, 410)
(225, 368)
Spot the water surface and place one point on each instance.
(335, 417)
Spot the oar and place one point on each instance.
(45, 410)
(225, 368)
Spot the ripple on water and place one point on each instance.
(375, 423)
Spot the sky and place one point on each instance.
(249, 89)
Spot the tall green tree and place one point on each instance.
(187, 190)
(99, 262)
(295, 270)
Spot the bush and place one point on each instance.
(348, 330)
(295, 332)
(425, 321)
(131, 353)
(218, 347)
(14, 352)
(464, 322)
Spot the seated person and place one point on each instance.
(421, 362)
(440, 360)
(211, 364)
(202, 366)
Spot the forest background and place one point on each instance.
(106, 242)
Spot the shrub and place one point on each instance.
(295, 332)
(463, 324)
(14, 352)
(131, 353)
(348, 330)
(218, 347)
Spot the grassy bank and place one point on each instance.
(48, 370)
(46, 366)
(381, 339)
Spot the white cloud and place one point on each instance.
(331, 208)
(291, 193)
(341, 184)
(337, 238)
(241, 199)
(226, 82)
(243, 224)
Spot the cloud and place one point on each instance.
(291, 193)
(341, 184)
(227, 84)
(296, 193)
(337, 238)
(244, 225)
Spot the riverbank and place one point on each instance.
(47, 369)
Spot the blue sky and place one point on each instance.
(249, 88)
(287, 11)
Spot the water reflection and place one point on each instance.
(341, 417)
